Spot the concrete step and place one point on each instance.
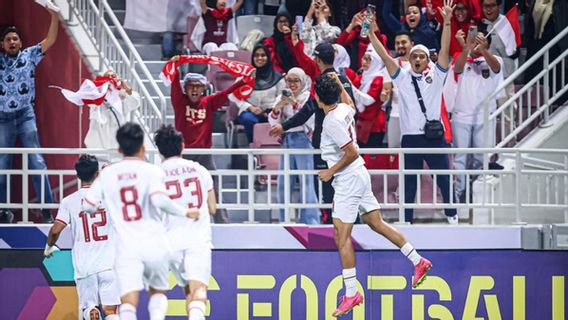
(148, 51)
(120, 14)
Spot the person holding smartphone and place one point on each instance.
(292, 99)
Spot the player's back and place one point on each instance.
(127, 187)
(93, 242)
(188, 183)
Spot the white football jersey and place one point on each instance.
(93, 241)
(188, 183)
(125, 188)
(338, 132)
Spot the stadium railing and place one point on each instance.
(533, 102)
(533, 183)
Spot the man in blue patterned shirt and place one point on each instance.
(17, 100)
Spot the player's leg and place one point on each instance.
(129, 272)
(345, 206)
(197, 271)
(374, 220)
(109, 294)
(156, 277)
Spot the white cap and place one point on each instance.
(421, 48)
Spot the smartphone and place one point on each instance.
(287, 92)
(299, 23)
(472, 33)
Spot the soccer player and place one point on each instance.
(134, 193)
(353, 193)
(93, 249)
(190, 185)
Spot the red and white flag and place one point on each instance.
(91, 92)
(234, 68)
(509, 30)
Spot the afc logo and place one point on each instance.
(195, 116)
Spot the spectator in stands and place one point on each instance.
(250, 7)
(116, 110)
(402, 44)
(371, 121)
(267, 87)
(325, 55)
(287, 105)
(323, 30)
(477, 74)
(277, 46)
(193, 117)
(415, 22)
(421, 89)
(216, 23)
(17, 103)
(350, 39)
(461, 21)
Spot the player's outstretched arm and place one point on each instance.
(212, 202)
(52, 238)
(163, 202)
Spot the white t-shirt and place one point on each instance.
(338, 132)
(188, 183)
(125, 188)
(93, 245)
(474, 84)
(431, 84)
(395, 101)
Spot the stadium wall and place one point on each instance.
(292, 272)
(60, 123)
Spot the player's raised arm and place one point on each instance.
(163, 202)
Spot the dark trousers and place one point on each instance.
(327, 191)
(416, 161)
(206, 160)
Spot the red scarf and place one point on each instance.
(221, 14)
(234, 68)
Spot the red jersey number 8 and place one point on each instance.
(129, 198)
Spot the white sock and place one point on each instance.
(127, 311)
(411, 253)
(112, 317)
(196, 310)
(158, 306)
(350, 281)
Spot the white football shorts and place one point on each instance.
(139, 270)
(353, 195)
(191, 264)
(98, 289)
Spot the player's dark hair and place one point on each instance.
(169, 141)
(87, 167)
(130, 138)
(327, 89)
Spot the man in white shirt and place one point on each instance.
(353, 193)
(403, 44)
(133, 192)
(190, 185)
(478, 72)
(93, 247)
(429, 79)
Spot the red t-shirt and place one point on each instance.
(216, 24)
(195, 122)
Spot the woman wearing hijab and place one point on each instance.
(287, 105)
(342, 62)
(371, 123)
(323, 31)
(414, 22)
(462, 19)
(267, 86)
(280, 54)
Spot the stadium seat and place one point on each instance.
(261, 22)
(265, 161)
(232, 124)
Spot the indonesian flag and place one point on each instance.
(509, 30)
(234, 68)
(93, 92)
